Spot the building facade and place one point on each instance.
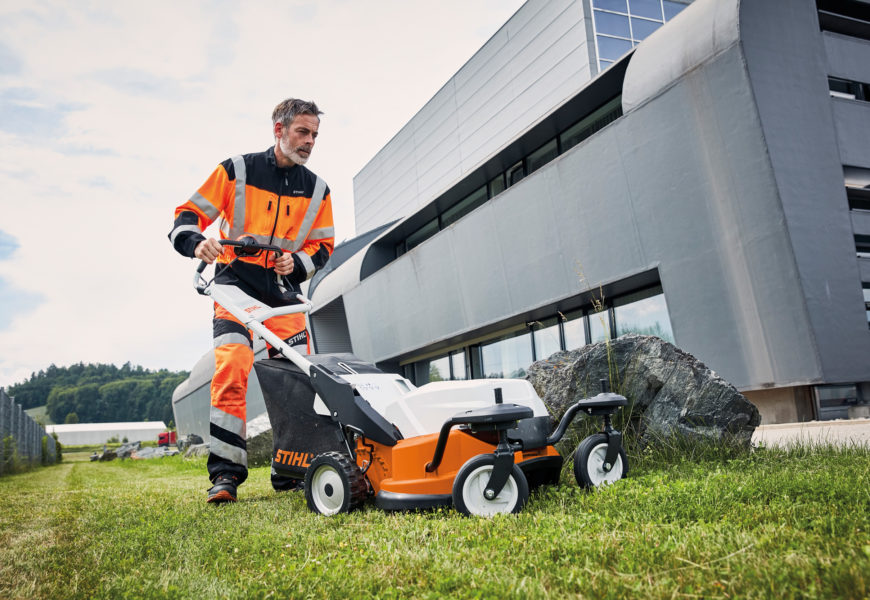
(698, 172)
(709, 186)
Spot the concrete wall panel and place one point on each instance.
(852, 122)
(848, 57)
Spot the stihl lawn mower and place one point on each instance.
(353, 431)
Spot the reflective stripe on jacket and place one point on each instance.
(290, 208)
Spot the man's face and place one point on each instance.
(297, 139)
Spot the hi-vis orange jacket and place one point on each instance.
(290, 208)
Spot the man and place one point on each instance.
(273, 198)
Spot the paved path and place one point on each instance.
(854, 431)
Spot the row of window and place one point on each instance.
(510, 355)
(620, 25)
(566, 140)
(851, 90)
(866, 289)
(847, 17)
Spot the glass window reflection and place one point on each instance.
(651, 9)
(612, 24)
(547, 340)
(508, 357)
(612, 48)
(439, 369)
(575, 331)
(616, 5)
(599, 326)
(542, 155)
(458, 360)
(648, 316)
(641, 28)
(464, 206)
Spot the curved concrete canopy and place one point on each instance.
(701, 31)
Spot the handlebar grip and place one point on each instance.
(202, 266)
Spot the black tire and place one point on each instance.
(334, 484)
(589, 463)
(471, 481)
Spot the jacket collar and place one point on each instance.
(273, 162)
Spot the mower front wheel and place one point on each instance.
(589, 463)
(334, 484)
(470, 485)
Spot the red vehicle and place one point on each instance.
(166, 438)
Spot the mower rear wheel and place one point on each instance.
(589, 463)
(471, 482)
(334, 484)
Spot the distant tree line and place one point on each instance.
(100, 393)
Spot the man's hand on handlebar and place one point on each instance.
(284, 264)
(208, 250)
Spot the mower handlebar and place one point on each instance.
(247, 246)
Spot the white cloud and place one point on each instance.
(123, 109)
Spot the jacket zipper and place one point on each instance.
(278, 210)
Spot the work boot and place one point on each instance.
(223, 490)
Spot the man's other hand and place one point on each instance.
(284, 264)
(208, 250)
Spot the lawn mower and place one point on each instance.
(354, 432)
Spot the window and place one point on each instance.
(542, 155)
(422, 234)
(444, 368)
(575, 330)
(457, 365)
(496, 185)
(645, 316)
(545, 335)
(439, 369)
(862, 243)
(866, 290)
(614, 5)
(615, 34)
(641, 28)
(845, 17)
(507, 357)
(516, 173)
(592, 123)
(611, 24)
(833, 401)
(850, 90)
(599, 326)
(610, 48)
(464, 206)
(859, 198)
(651, 9)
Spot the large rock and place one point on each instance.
(669, 391)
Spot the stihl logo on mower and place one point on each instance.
(293, 459)
(251, 309)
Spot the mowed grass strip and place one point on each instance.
(773, 523)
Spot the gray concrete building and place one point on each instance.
(592, 171)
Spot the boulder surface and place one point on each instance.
(669, 391)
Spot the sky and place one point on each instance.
(114, 113)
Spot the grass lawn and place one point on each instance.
(771, 524)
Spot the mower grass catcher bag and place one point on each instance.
(299, 434)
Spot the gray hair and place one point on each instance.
(287, 110)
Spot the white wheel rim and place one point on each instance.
(477, 504)
(595, 467)
(327, 490)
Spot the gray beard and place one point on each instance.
(291, 153)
